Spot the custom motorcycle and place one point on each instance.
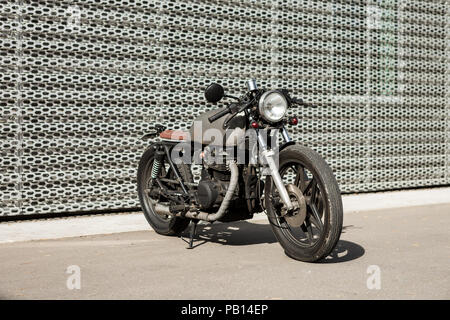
(248, 164)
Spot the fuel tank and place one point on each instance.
(204, 132)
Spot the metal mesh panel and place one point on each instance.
(10, 139)
(82, 81)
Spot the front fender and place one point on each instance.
(285, 145)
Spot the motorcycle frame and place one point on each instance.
(167, 145)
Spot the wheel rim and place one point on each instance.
(312, 230)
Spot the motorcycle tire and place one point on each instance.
(329, 230)
(168, 227)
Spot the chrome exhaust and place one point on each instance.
(161, 209)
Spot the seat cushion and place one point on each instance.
(174, 135)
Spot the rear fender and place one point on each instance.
(158, 129)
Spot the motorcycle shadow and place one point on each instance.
(244, 233)
(344, 251)
(239, 233)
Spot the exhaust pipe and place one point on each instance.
(226, 200)
(210, 217)
(161, 209)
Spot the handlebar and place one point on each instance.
(219, 114)
(237, 108)
(232, 108)
(300, 102)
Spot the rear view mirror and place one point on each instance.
(214, 93)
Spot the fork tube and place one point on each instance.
(285, 135)
(268, 155)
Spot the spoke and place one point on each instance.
(309, 232)
(311, 185)
(297, 178)
(313, 191)
(316, 215)
(300, 178)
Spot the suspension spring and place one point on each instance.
(155, 169)
(159, 156)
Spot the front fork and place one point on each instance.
(268, 154)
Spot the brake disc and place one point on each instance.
(297, 215)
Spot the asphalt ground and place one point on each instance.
(400, 253)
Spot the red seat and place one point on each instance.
(174, 135)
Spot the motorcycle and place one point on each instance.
(245, 170)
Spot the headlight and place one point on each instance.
(272, 106)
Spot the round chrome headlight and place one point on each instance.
(272, 106)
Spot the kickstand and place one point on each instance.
(192, 233)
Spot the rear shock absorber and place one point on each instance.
(157, 162)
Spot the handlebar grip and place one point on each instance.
(300, 101)
(219, 114)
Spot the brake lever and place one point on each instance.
(236, 110)
(234, 113)
(234, 106)
(232, 97)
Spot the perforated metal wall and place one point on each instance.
(81, 81)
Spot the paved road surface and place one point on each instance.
(410, 246)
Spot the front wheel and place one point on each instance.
(321, 227)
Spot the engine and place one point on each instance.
(207, 194)
(212, 187)
(211, 191)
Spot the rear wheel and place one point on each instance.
(165, 225)
(315, 238)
